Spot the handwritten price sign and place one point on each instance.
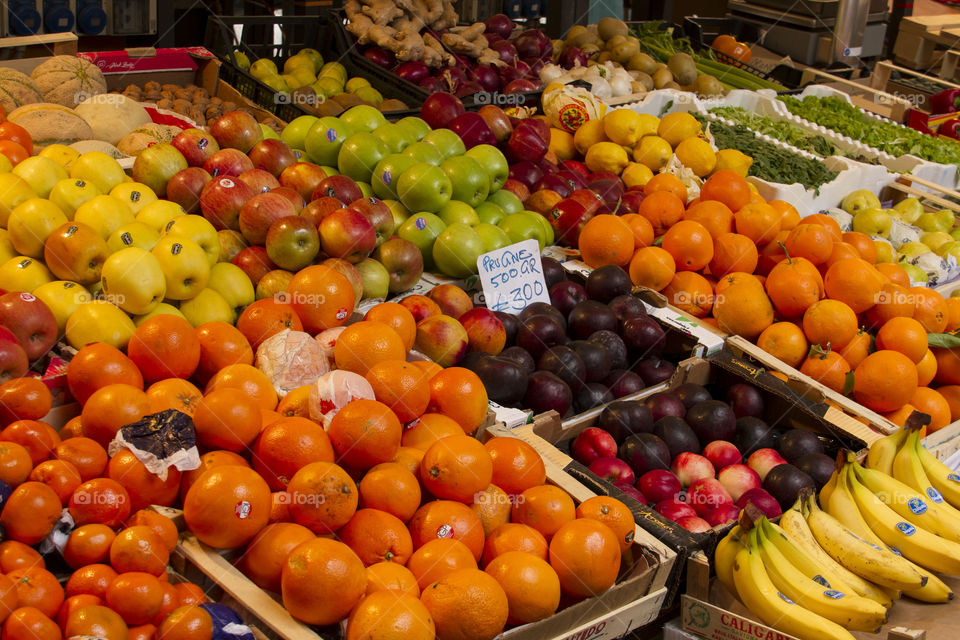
(512, 277)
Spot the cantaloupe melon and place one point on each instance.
(16, 89)
(68, 80)
(112, 116)
(51, 124)
(85, 146)
(142, 137)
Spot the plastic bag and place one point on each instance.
(291, 359)
(332, 391)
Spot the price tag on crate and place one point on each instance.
(512, 277)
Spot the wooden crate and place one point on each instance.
(59, 44)
(920, 37)
(919, 96)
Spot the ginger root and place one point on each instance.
(435, 56)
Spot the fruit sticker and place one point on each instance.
(445, 531)
(331, 135)
(836, 595)
(785, 598)
(242, 509)
(386, 177)
(934, 495)
(906, 528)
(917, 506)
(821, 580)
(953, 477)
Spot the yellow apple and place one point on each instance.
(6, 247)
(157, 215)
(99, 321)
(207, 306)
(104, 214)
(161, 309)
(184, 265)
(198, 229)
(133, 234)
(13, 191)
(137, 195)
(70, 193)
(5, 165)
(31, 223)
(40, 173)
(21, 273)
(60, 153)
(62, 297)
(132, 280)
(233, 284)
(232, 242)
(75, 252)
(100, 169)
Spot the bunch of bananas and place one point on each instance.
(878, 533)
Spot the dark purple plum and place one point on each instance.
(608, 282)
(627, 306)
(595, 358)
(588, 317)
(622, 418)
(796, 443)
(752, 434)
(590, 395)
(818, 466)
(665, 404)
(623, 382)
(712, 420)
(678, 435)
(521, 356)
(615, 347)
(543, 308)
(644, 452)
(643, 336)
(566, 364)
(553, 272)
(784, 482)
(547, 392)
(691, 393)
(565, 296)
(510, 325)
(539, 333)
(504, 380)
(471, 360)
(745, 399)
(654, 370)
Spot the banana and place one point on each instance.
(846, 609)
(908, 469)
(883, 451)
(935, 591)
(774, 535)
(842, 507)
(915, 543)
(723, 557)
(793, 525)
(940, 476)
(870, 561)
(758, 594)
(827, 489)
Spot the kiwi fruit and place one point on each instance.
(708, 86)
(645, 79)
(683, 67)
(614, 42)
(610, 27)
(662, 78)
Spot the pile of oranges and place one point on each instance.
(394, 517)
(808, 293)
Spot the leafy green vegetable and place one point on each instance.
(837, 114)
(783, 131)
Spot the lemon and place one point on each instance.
(562, 145)
(636, 174)
(653, 151)
(649, 124)
(606, 156)
(589, 134)
(734, 161)
(677, 127)
(623, 126)
(752, 187)
(553, 85)
(697, 155)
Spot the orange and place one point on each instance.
(174, 393)
(18, 134)
(728, 187)
(793, 285)
(905, 335)
(98, 365)
(933, 404)
(492, 506)
(652, 267)
(855, 282)
(410, 458)
(447, 519)
(953, 307)
(789, 218)
(772, 254)
(930, 309)
(37, 587)
(858, 348)
(466, 604)
(830, 322)
(263, 560)
(714, 215)
(227, 418)
(690, 292)
(8, 597)
(893, 301)
(828, 368)
(401, 386)
(279, 509)
(456, 468)
(612, 513)
(427, 429)
(142, 632)
(29, 623)
(96, 621)
(895, 272)
(112, 407)
(666, 182)
(390, 576)
(322, 297)
(438, 558)
(25, 399)
(586, 556)
(951, 393)
(690, 244)
(248, 379)
(30, 512)
(286, 446)
(73, 428)
(88, 544)
(296, 403)
(885, 381)
(514, 536)
(207, 460)
(188, 622)
(264, 318)
(832, 226)
(366, 343)
(227, 506)
(516, 465)
(70, 605)
(398, 318)
(189, 593)
(92, 579)
(136, 596)
(37, 437)
(13, 151)
(144, 487)
(532, 586)
(365, 433)
(390, 615)
(948, 365)
(15, 463)
(927, 369)
(863, 244)
(160, 524)
(733, 252)
(606, 239)
(170, 601)
(87, 457)
(758, 221)
(743, 309)
(841, 251)
(377, 536)
(810, 241)
(785, 340)
(546, 508)
(662, 209)
(641, 228)
(164, 346)
(322, 580)
(139, 548)
(323, 497)
(459, 393)
(16, 555)
(392, 488)
(221, 344)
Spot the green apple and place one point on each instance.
(424, 152)
(268, 132)
(185, 266)
(939, 221)
(207, 306)
(105, 214)
(417, 127)
(314, 56)
(400, 212)
(936, 239)
(162, 309)
(334, 70)
(62, 297)
(915, 273)
(456, 211)
(911, 250)
(133, 234)
(490, 213)
(42, 174)
(376, 278)
(136, 194)
(70, 193)
(133, 280)
(295, 133)
(493, 236)
(456, 250)
(424, 187)
(547, 227)
(422, 230)
(100, 169)
(471, 182)
(6, 247)
(859, 200)
(950, 249)
(363, 117)
(326, 87)
(873, 222)
(242, 60)
(365, 189)
(387, 172)
(355, 83)
(522, 226)
(198, 229)
(493, 160)
(359, 155)
(21, 273)
(396, 138)
(908, 210)
(506, 200)
(157, 215)
(324, 140)
(263, 67)
(31, 223)
(446, 142)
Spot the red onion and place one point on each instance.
(467, 88)
(413, 71)
(486, 76)
(572, 57)
(380, 56)
(535, 65)
(528, 46)
(433, 84)
(499, 24)
(506, 51)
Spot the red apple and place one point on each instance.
(340, 187)
(589, 199)
(575, 165)
(403, 261)
(694, 524)
(196, 146)
(259, 180)
(236, 130)
(272, 155)
(29, 319)
(659, 485)
(292, 243)
(631, 491)
(706, 494)
(690, 467)
(529, 140)
(593, 443)
(722, 515)
(761, 500)
(185, 187)
(439, 109)
(526, 172)
(674, 509)
(221, 201)
(612, 470)
(302, 177)
(497, 121)
(517, 188)
(379, 215)
(254, 262)
(227, 162)
(722, 454)
(292, 195)
(553, 182)
(261, 211)
(602, 175)
(630, 203)
(13, 361)
(347, 234)
(567, 218)
(472, 129)
(317, 210)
